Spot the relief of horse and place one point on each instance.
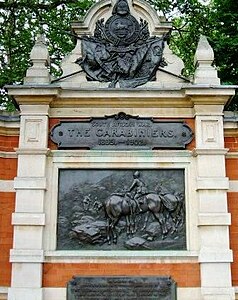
(117, 206)
(172, 207)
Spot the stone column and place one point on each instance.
(29, 217)
(213, 218)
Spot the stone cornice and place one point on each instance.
(150, 95)
(199, 151)
(122, 256)
(232, 155)
(9, 124)
(210, 95)
(7, 186)
(231, 132)
(4, 154)
(8, 131)
(33, 94)
(121, 154)
(32, 151)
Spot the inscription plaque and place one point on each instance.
(121, 132)
(121, 288)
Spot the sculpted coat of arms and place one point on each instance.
(122, 51)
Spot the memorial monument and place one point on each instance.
(121, 180)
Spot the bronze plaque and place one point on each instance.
(121, 288)
(121, 132)
(121, 209)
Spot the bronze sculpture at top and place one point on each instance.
(121, 51)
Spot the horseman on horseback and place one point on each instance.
(140, 189)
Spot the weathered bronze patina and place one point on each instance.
(119, 209)
(121, 132)
(121, 50)
(118, 288)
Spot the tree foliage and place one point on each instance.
(225, 39)
(21, 20)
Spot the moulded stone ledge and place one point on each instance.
(4, 154)
(233, 186)
(214, 219)
(205, 151)
(31, 255)
(3, 292)
(30, 183)
(173, 154)
(35, 110)
(9, 122)
(32, 151)
(9, 131)
(6, 186)
(31, 219)
(140, 256)
(232, 155)
(212, 183)
(208, 256)
(25, 293)
(154, 95)
(221, 291)
(210, 89)
(54, 293)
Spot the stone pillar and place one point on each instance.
(213, 219)
(29, 217)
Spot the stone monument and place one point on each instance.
(121, 164)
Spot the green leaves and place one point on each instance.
(20, 22)
(216, 19)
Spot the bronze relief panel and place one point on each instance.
(121, 209)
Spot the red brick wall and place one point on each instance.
(8, 166)
(8, 170)
(8, 143)
(191, 124)
(232, 168)
(52, 122)
(232, 173)
(7, 206)
(233, 209)
(58, 274)
(231, 143)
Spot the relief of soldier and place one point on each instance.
(143, 210)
